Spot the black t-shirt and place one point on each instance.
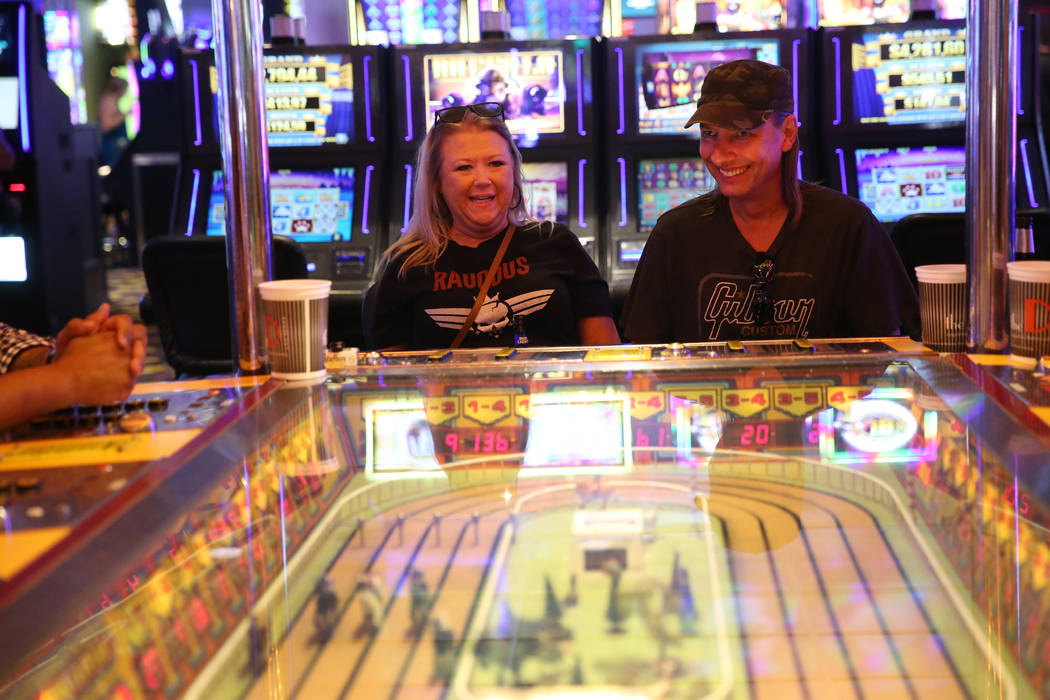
(836, 275)
(545, 283)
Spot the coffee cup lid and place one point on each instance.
(941, 274)
(1029, 270)
(291, 290)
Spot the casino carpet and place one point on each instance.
(126, 285)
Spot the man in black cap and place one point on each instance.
(763, 255)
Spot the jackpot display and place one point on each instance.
(670, 75)
(529, 84)
(664, 183)
(896, 182)
(309, 99)
(309, 206)
(910, 76)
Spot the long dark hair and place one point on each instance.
(790, 187)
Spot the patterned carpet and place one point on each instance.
(126, 286)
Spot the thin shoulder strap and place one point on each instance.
(483, 292)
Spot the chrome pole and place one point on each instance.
(245, 170)
(991, 132)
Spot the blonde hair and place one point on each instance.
(790, 185)
(427, 234)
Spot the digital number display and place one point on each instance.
(468, 442)
(309, 99)
(908, 77)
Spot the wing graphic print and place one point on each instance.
(449, 317)
(530, 302)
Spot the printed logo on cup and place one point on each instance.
(1029, 289)
(942, 306)
(1031, 312)
(295, 314)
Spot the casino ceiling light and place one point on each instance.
(113, 21)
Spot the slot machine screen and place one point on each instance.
(841, 13)
(8, 103)
(308, 206)
(529, 83)
(419, 22)
(537, 19)
(13, 259)
(547, 191)
(8, 67)
(664, 183)
(309, 99)
(909, 76)
(896, 182)
(669, 76)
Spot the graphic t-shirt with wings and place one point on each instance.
(544, 285)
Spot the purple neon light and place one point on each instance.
(1022, 146)
(579, 93)
(838, 81)
(619, 88)
(623, 191)
(842, 169)
(193, 201)
(199, 139)
(794, 76)
(23, 79)
(368, 103)
(799, 164)
(408, 197)
(408, 100)
(1018, 85)
(579, 197)
(368, 191)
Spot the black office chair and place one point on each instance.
(189, 297)
(930, 239)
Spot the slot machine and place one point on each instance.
(895, 115)
(328, 142)
(645, 17)
(392, 23)
(548, 91)
(50, 242)
(653, 164)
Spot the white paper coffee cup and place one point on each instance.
(1029, 289)
(295, 313)
(942, 306)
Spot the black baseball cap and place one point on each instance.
(743, 95)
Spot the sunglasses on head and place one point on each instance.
(762, 272)
(454, 115)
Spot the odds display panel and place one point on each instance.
(308, 206)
